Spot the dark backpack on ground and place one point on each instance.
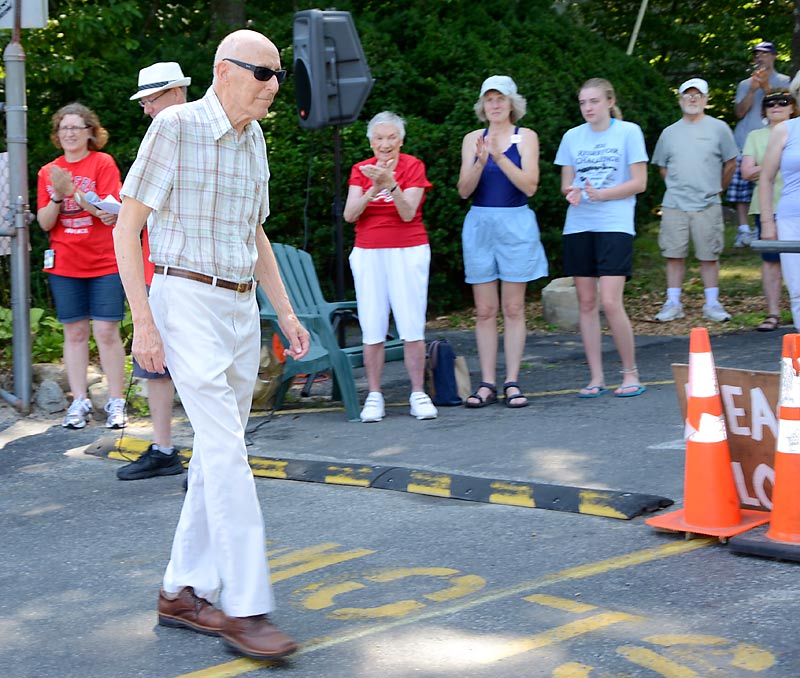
(440, 374)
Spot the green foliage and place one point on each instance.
(428, 58)
(46, 334)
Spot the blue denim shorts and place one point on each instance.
(502, 243)
(101, 298)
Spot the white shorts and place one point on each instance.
(393, 278)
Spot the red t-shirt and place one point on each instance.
(149, 266)
(83, 244)
(379, 224)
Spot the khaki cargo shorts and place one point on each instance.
(706, 229)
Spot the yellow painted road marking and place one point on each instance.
(310, 559)
(559, 634)
(436, 484)
(350, 475)
(511, 494)
(339, 408)
(653, 661)
(560, 603)
(239, 667)
(572, 670)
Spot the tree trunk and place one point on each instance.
(230, 13)
(796, 37)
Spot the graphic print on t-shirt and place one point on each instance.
(597, 165)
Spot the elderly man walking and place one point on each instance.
(202, 168)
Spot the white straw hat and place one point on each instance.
(160, 76)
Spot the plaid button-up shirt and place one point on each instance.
(207, 186)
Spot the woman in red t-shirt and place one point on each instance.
(81, 262)
(391, 259)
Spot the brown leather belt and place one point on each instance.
(207, 279)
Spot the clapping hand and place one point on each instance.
(382, 174)
(62, 182)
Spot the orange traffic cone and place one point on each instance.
(711, 505)
(782, 538)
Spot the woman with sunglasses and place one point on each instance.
(81, 264)
(500, 237)
(778, 106)
(603, 168)
(780, 220)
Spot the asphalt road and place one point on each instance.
(393, 583)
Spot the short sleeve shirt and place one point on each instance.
(380, 225)
(208, 187)
(755, 146)
(604, 159)
(693, 154)
(84, 245)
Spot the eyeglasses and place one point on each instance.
(692, 96)
(70, 130)
(778, 102)
(149, 102)
(261, 73)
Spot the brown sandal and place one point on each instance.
(770, 324)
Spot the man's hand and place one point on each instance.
(147, 347)
(298, 336)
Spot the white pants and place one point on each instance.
(212, 340)
(393, 278)
(789, 229)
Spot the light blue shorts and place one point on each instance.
(502, 243)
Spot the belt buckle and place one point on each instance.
(242, 287)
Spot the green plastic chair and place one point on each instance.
(321, 318)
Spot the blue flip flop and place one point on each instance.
(594, 391)
(638, 389)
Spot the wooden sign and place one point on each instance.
(750, 406)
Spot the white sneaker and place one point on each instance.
(744, 238)
(670, 311)
(115, 408)
(373, 407)
(422, 407)
(715, 312)
(79, 412)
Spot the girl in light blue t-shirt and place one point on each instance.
(603, 167)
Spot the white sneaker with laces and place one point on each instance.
(715, 312)
(670, 311)
(79, 412)
(422, 407)
(373, 407)
(744, 238)
(115, 408)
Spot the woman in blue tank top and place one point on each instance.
(500, 237)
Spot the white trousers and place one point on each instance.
(789, 229)
(391, 278)
(212, 340)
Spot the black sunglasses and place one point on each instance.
(777, 102)
(261, 73)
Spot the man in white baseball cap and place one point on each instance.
(160, 86)
(697, 158)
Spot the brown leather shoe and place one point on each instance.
(256, 637)
(189, 611)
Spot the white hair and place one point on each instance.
(387, 118)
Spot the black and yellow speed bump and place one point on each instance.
(604, 503)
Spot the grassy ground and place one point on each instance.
(740, 293)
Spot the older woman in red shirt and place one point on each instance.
(391, 259)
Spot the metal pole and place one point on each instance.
(17, 140)
(636, 27)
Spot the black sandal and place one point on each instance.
(509, 400)
(770, 324)
(482, 402)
